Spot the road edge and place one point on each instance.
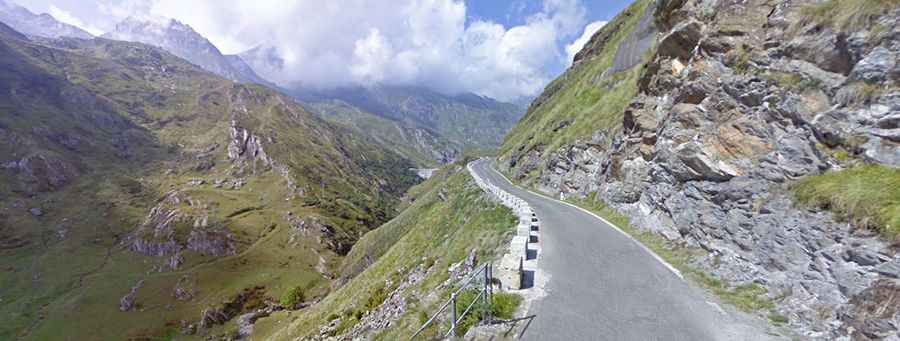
(670, 267)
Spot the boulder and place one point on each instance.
(863, 256)
(876, 66)
(889, 269)
(702, 166)
(681, 40)
(825, 48)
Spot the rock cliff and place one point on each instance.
(732, 103)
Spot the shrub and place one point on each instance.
(292, 297)
(376, 298)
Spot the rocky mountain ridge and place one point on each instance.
(703, 139)
(181, 40)
(44, 25)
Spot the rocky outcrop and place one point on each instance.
(42, 173)
(249, 299)
(158, 235)
(246, 148)
(127, 301)
(739, 99)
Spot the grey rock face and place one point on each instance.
(246, 148)
(711, 144)
(877, 66)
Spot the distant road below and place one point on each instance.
(603, 285)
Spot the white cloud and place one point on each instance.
(350, 42)
(70, 19)
(589, 31)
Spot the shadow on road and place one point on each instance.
(527, 320)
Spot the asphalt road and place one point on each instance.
(605, 286)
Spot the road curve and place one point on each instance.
(605, 286)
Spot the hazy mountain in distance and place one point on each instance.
(468, 120)
(267, 62)
(44, 25)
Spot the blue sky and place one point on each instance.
(503, 49)
(514, 12)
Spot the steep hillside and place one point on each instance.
(735, 130)
(467, 119)
(592, 94)
(43, 25)
(400, 271)
(139, 193)
(181, 40)
(423, 146)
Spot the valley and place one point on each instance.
(685, 170)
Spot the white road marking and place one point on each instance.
(648, 250)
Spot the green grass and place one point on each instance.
(580, 102)
(867, 195)
(747, 297)
(847, 14)
(778, 319)
(503, 306)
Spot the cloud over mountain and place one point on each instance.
(359, 42)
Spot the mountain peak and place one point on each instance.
(45, 25)
(183, 41)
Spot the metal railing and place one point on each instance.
(485, 294)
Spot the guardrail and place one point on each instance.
(512, 266)
(485, 294)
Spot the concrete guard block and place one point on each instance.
(518, 246)
(510, 272)
(523, 230)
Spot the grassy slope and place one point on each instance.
(390, 133)
(847, 14)
(580, 101)
(101, 91)
(449, 217)
(467, 120)
(867, 195)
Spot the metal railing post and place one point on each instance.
(522, 270)
(487, 304)
(453, 321)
